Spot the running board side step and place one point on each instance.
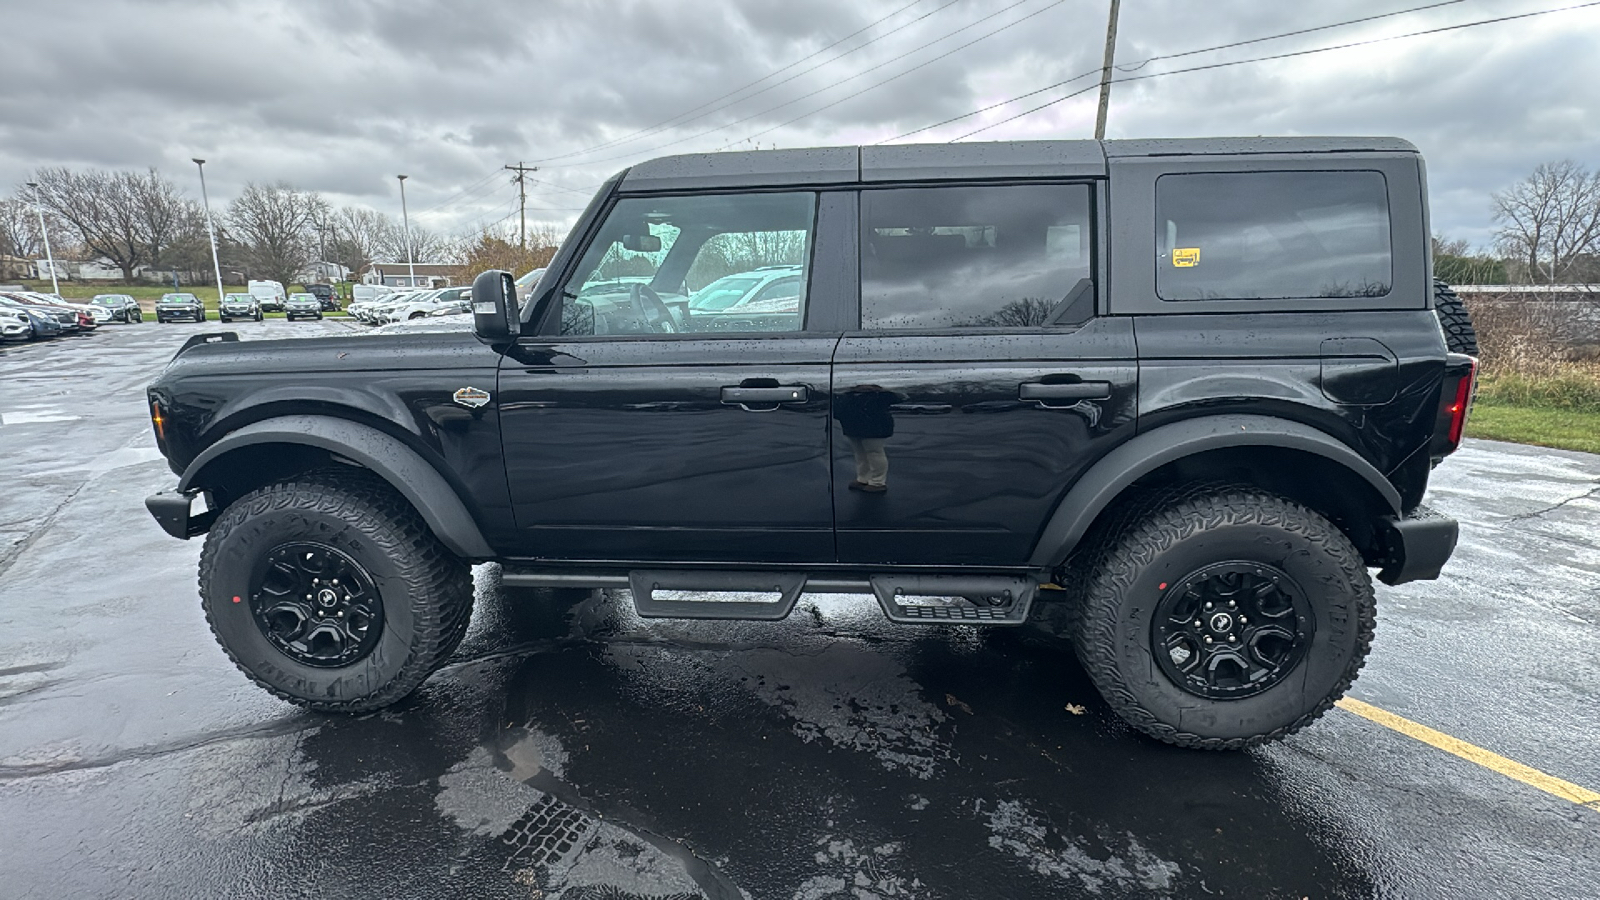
(763, 596)
(770, 596)
(955, 599)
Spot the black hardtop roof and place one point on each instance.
(940, 162)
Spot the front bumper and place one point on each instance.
(1417, 546)
(171, 510)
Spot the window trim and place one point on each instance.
(550, 317)
(1155, 219)
(1097, 260)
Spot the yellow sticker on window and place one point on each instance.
(1186, 257)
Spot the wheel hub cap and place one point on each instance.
(316, 605)
(1231, 629)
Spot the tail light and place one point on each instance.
(1455, 402)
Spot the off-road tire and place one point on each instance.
(426, 591)
(1162, 538)
(1459, 335)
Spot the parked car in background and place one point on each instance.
(239, 306)
(172, 307)
(324, 295)
(371, 313)
(83, 315)
(270, 294)
(428, 303)
(122, 307)
(302, 306)
(47, 321)
(15, 325)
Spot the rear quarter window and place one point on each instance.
(1273, 236)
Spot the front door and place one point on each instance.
(981, 382)
(675, 406)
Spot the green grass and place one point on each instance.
(1543, 426)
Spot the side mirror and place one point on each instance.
(641, 243)
(495, 316)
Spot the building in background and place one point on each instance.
(398, 274)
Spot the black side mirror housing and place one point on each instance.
(495, 315)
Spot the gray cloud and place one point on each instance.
(340, 96)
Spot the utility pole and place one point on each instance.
(1105, 72)
(522, 201)
(411, 263)
(49, 257)
(211, 232)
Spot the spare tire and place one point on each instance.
(1459, 335)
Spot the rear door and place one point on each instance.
(636, 428)
(982, 380)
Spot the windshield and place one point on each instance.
(107, 300)
(178, 298)
(240, 298)
(303, 297)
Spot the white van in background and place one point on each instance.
(270, 294)
(366, 293)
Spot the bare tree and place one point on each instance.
(358, 237)
(103, 210)
(19, 228)
(1550, 220)
(168, 217)
(276, 223)
(426, 246)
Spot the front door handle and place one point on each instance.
(1072, 390)
(765, 396)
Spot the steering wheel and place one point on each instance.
(653, 313)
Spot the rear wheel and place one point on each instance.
(329, 591)
(1459, 335)
(1224, 618)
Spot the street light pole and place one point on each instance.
(49, 258)
(211, 231)
(411, 264)
(1105, 72)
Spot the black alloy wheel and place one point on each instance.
(1232, 629)
(329, 590)
(316, 605)
(1257, 610)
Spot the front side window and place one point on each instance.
(975, 257)
(1272, 236)
(694, 265)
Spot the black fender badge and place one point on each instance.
(471, 397)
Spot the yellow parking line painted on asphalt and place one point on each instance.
(1532, 777)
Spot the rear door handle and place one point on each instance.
(1073, 390)
(744, 396)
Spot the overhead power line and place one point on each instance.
(459, 195)
(878, 84)
(890, 61)
(1142, 63)
(680, 118)
(1240, 62)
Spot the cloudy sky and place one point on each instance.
(341, 95)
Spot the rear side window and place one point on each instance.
(975, 257)
(1272, 236)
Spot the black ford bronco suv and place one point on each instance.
(1170, 398)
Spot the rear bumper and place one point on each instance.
(171, 510)
(1418, 546)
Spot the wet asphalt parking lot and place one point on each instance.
(574, 751)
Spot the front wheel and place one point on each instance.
(329, 591)
(1223, 618)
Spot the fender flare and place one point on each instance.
(1099, 487)
(401, 466)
